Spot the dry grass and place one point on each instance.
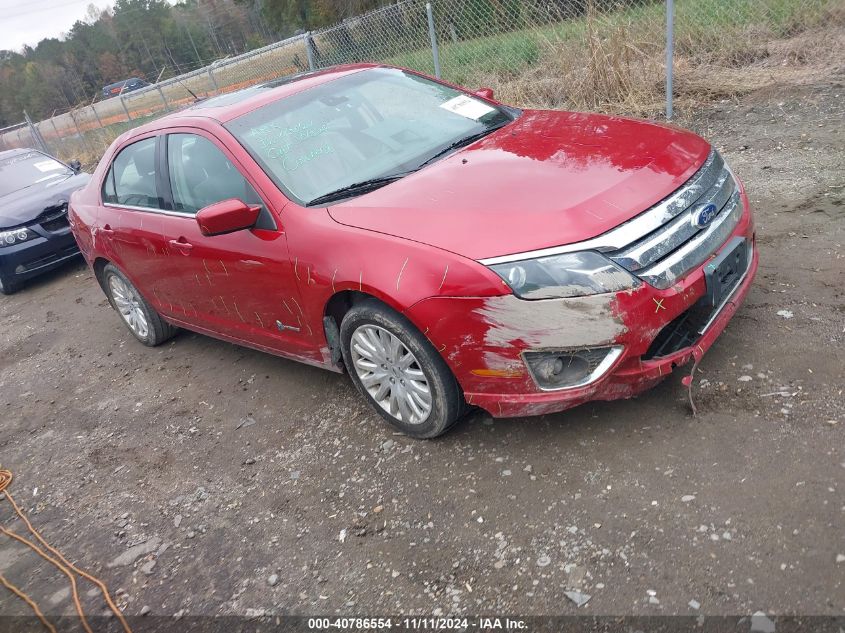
(801, 59)
(613, 68)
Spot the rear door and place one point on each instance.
(131, 222)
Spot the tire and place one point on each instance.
(369, 333)
(137, 314)
(9, 287)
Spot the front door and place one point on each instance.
(241, 284)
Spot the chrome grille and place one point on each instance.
(696, 250)
(676, 231)
(677, 245)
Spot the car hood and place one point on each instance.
(24, 205)
(547, 179)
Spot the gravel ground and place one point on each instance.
(205, 479)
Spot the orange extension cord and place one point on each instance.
(60, 562)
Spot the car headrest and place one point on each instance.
(144, 160)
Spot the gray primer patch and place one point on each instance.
(550, 323)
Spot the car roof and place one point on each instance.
(225, 107)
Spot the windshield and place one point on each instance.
(359, 128)
(24, 170)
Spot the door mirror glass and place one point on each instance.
(484, 93)
(227, 216)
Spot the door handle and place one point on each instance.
(107, 230)
(181, 245)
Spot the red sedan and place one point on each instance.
(445, 250)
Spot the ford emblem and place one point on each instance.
(704, 215)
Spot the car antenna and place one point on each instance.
(196, 98)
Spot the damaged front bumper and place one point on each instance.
(645, 333)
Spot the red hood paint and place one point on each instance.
(547, 179)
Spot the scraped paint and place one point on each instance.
(550, 324)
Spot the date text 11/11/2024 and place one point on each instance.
(418, 624)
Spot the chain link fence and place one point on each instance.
(589, 55)
(19, 135)
(600, 55)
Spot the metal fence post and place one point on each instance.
(435, 53)
(103, 137)
(163, 100)
(213, 80)
(96, 116)
(41, 138)
(125, 109)
(55, 129)
(36, 134)
(309, 50)
(82, 137)
(670, 55)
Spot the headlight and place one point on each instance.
(567, 275)
(15, 236)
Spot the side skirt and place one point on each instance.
(255, 346)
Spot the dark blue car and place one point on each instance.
(127, 85)
(34, 232)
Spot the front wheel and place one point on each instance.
(8, 286)
(139, 316)
(399, 371)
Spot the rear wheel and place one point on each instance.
(139, 316)
(398, 371)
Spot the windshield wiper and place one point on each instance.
(462, 142)
(374, 183)
(357, 188)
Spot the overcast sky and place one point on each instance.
(30, 21)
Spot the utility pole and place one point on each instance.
(150, 55)
(194, 46)
(213, 34)
(170, 55)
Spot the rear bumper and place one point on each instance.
(483, 339)
(37, 256)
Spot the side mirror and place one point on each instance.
(75, 166)
(484, 93)
(227, 216)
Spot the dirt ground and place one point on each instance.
(200, 478)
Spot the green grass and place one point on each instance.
(702, 26)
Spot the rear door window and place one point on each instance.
(131, 180)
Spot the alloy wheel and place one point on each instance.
(128, 303)
(391, 374)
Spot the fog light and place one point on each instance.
(571, 368)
